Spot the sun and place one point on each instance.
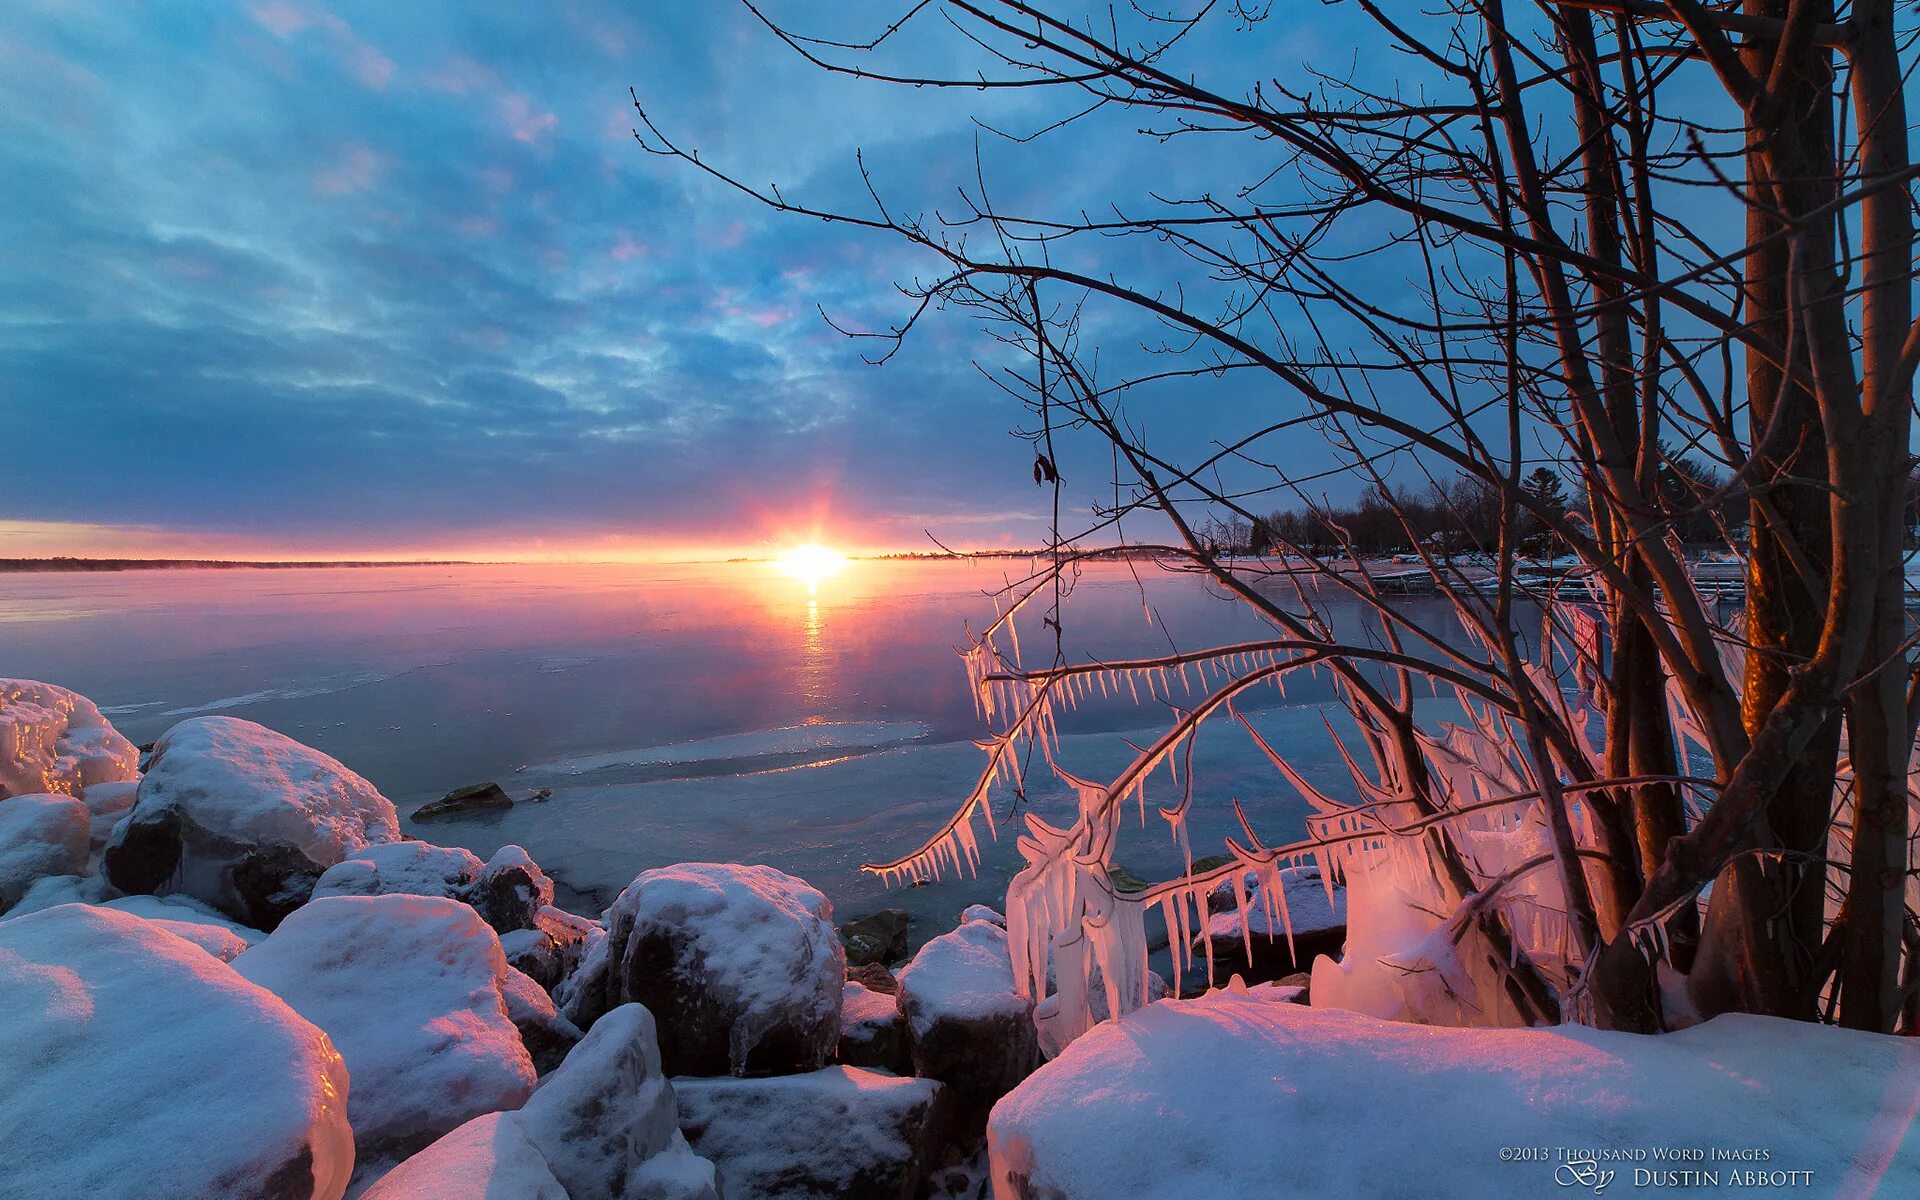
(811, 563)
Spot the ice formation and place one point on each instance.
(55, 740)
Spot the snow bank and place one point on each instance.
(55, 740)
(40, 835)
(135, 1058)
(243, 818)
(837, 1134)
(1233, 1095)
(409, 989)
(740, 965)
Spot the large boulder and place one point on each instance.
(872, 1031)
(244, 818)
(141, 1067)
(969, 1028)
(740, 965)
(601, 1127)
(40, 835)
(55, 740)
(410, 989)
(837, 1134)
(1233, 1095)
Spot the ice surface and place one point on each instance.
(743, 747)
(1225, 1095)
(409, 989)
(55, 740)
(134, 1057)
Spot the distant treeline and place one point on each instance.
(201, 564)
(1463, 516)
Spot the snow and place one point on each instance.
(55, 740)
(410, 868)
(488, 1158)
(607, 1113)
(52, 890)
(836, 1132)
(127, 1050)
(40, 835)
(185, 917)
(981, 912)
(1227, 1094)
(964, 975)
(409, 989)
(750, 942)
(863, 1008)
(107, 804)
(263, 788)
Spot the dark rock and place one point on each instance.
(878, 938)
(543, 1031)
(968, 1027)
(475, 797)
(739, 965)
(874, 977)
(511, 890)
(872, 1031)
(1125, 880)
(836, 1134)
(552, 949)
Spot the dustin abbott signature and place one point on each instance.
(1583, 1172)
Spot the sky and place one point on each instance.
(325, 278)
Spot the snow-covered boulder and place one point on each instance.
(488, 1158)
(982, 912)
(543, 1031)
(740, 965)
(553, 948)
(1273, 940)
(607, 1123)
(106, 804)
(185, 917)
(872, 1031)
(410, 990)
(969, 1028)
(40, 835)
(402, 868)
(511, 890)
(244, 818)
(837, 1134)
(1227, 1094)
(55, 740)
(140, 1066)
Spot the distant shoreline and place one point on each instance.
(21, 565)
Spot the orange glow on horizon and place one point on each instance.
(811, 563)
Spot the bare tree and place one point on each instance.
(1543, 187)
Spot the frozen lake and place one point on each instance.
(679, 712)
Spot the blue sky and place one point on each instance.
(327, 277)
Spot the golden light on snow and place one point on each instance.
(811, 563)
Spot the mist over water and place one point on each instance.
(678, 712)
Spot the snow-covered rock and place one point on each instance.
(872, 1031)
(243, 818)
(40, 835)
(607, 1123)
(107, 804)
(140, 1066)
(553, 948)
(969, 1028)
(51, 890)
(488, 1158)
(511, 890)
(185, 917)
(740, 965)
(982, 912)
(1227, 1094)
(410, 990)
(837, 1134)
(55, 740)
(543, 1031)
(402, 868)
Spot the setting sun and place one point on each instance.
(811, 563)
